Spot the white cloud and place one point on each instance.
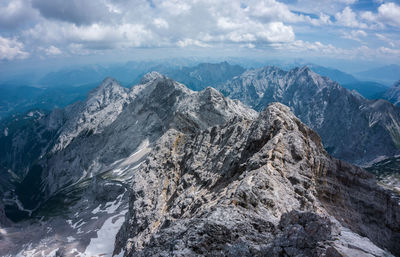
(52, 50)
(190, 42)
(348, 18)
(388, 40)
(68, 28)
(389, 13)
(11, 49)
(355, 35)
(271, 10)
(312, 47)
(389, 51)
(161, 23)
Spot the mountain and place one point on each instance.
(77, 76)
(202, 75)
(255, 187)
(393, 94)
(352, 128)
(386, 74)
(334, 74)
(179, 172)
(78, 161)
(17, 100)
(368, 89)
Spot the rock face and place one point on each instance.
(393, 94)
(352, 128)
(255, 187)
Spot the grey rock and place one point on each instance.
(254, 187)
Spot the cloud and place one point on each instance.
(388, 51)
(348, 18)
(52, 50)
(15, 13)
(78, 12)
(11, 49)
(355, 35)
(388, 40)
(83, 27)
(312, 47)
(389, 13)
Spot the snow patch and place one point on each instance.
(103, 245)
(6, 132)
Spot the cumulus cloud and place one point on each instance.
(389, 13)
(355, 35)
(165, 23)
(11, 49)
(349, 18)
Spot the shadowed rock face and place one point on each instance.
(255, 187)
(352, 128)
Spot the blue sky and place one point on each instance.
(349, 30)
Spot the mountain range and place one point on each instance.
(385, 74)
(179, 172)
(64, 87)
(348, 124)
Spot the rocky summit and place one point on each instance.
(160, 170)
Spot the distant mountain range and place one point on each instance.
(202, 75)
(352, 128)
(386, 74)
(16, 100)
(58, 89)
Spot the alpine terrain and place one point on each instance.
(160, 170)
(352, 128)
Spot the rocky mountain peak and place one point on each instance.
(151, 76)
(107, 88)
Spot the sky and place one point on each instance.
(33, 31)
